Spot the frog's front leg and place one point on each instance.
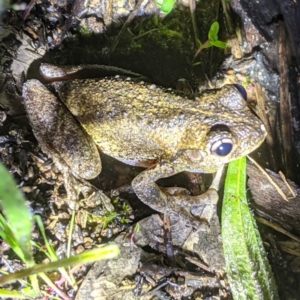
(149, 192)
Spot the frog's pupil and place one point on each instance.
(224, 149)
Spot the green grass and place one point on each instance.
(16, 224)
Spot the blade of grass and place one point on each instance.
(51, 251)
(70, 234)
(17, 213)
(11, 294)
(8, 236)
(248, 269)
(105, 252)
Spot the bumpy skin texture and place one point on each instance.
(142, 125)
(58, 132)
(138, 123)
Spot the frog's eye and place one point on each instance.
(241, 90)
(222, 147)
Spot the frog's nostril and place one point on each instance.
(241, 90)
(222, 147)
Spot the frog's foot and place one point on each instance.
(127, 188)
(74, 186)
(173, 200)
(183, 198)
(201, 207)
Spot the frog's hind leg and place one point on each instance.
(62, 137)
(58, 132)
(171, 201)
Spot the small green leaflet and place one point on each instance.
(166, 6)
(213, 31)
(213, 36)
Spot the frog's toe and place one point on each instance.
(105, 201)
(176, 191)
(181, 212)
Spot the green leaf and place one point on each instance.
(219, 44)
(213, 31)
(17, 213)
(248, 269)
(166, 5)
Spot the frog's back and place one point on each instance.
(114, 96)
(140, 123)
(129, 119)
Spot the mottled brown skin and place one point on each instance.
(141, 125)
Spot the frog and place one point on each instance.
(140, 124)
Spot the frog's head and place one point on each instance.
(232, 130)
